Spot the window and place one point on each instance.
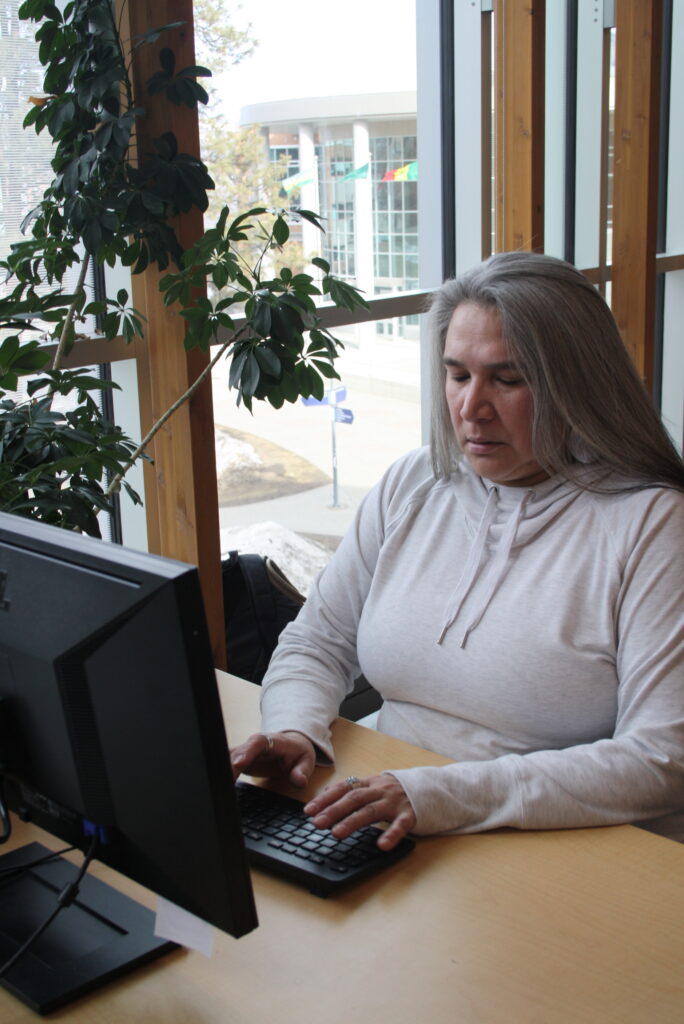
(348, 152)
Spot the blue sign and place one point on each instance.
(344, 416)
(332, 397)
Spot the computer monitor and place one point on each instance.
(110, 724)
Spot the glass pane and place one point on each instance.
(337, 136)
(25, 174)
(25, 170)
(280, 115)
(291, 479)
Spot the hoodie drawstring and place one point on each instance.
(496, 571)
(469, 573)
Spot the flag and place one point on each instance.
(296, 181)
(359, 172)
(409, 172)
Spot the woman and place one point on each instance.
(514, 592)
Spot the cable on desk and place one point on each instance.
(8, 874)
(65, 899)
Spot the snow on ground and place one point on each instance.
(232, 453)
(299, 558)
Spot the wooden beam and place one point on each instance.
(638, 25)
(181, 493)
(519, 124)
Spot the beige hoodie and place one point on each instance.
(534, 635)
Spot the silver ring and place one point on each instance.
(353, 781)
(269, 740)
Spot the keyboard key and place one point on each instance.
(280, 838)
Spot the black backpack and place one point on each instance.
(258, 601)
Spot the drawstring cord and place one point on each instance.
(496, 571)
(472, 563)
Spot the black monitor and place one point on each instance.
(111, 733)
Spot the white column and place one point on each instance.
(363, 231)
(363, 211)
(311, 236)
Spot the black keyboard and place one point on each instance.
(280, 838)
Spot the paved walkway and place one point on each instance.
(308, 512)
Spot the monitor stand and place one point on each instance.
(101, 936)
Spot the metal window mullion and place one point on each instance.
(469, 154)
(570, 131)
(589, 135)
(672, 389)
(447, 121)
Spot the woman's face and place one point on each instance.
(489, 402)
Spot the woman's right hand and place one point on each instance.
(288, 756)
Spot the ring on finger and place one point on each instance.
(269, 741)
(353, 781)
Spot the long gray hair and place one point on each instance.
(589, 403)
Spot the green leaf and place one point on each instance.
(195, 71)
(153, 34)
(236, 366)
(262, 320)
(167, 60)
(312, 217)
(95, 308)
(316, 383)
(281, 230)
(290, 388)
(268, 360)
(326, 369)
(220, 276)
(92, 236)
(250, 376)
(275, 397)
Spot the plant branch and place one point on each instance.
(61, 346)
(122, 55)
(257, 268)
(187, 394)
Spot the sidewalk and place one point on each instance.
(308, 512)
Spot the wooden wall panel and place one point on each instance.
(181, 494)
(638, 27)
(519, 124)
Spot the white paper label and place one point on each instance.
(180, 926)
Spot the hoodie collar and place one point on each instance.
(500, 519)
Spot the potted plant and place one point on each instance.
(59, 462)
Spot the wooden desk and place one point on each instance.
(501, 928)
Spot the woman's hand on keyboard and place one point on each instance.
(351, 804)
(279, 755)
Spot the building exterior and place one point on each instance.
(353, 160)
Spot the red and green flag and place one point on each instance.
(409, 172)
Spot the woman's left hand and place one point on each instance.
(346, 806)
